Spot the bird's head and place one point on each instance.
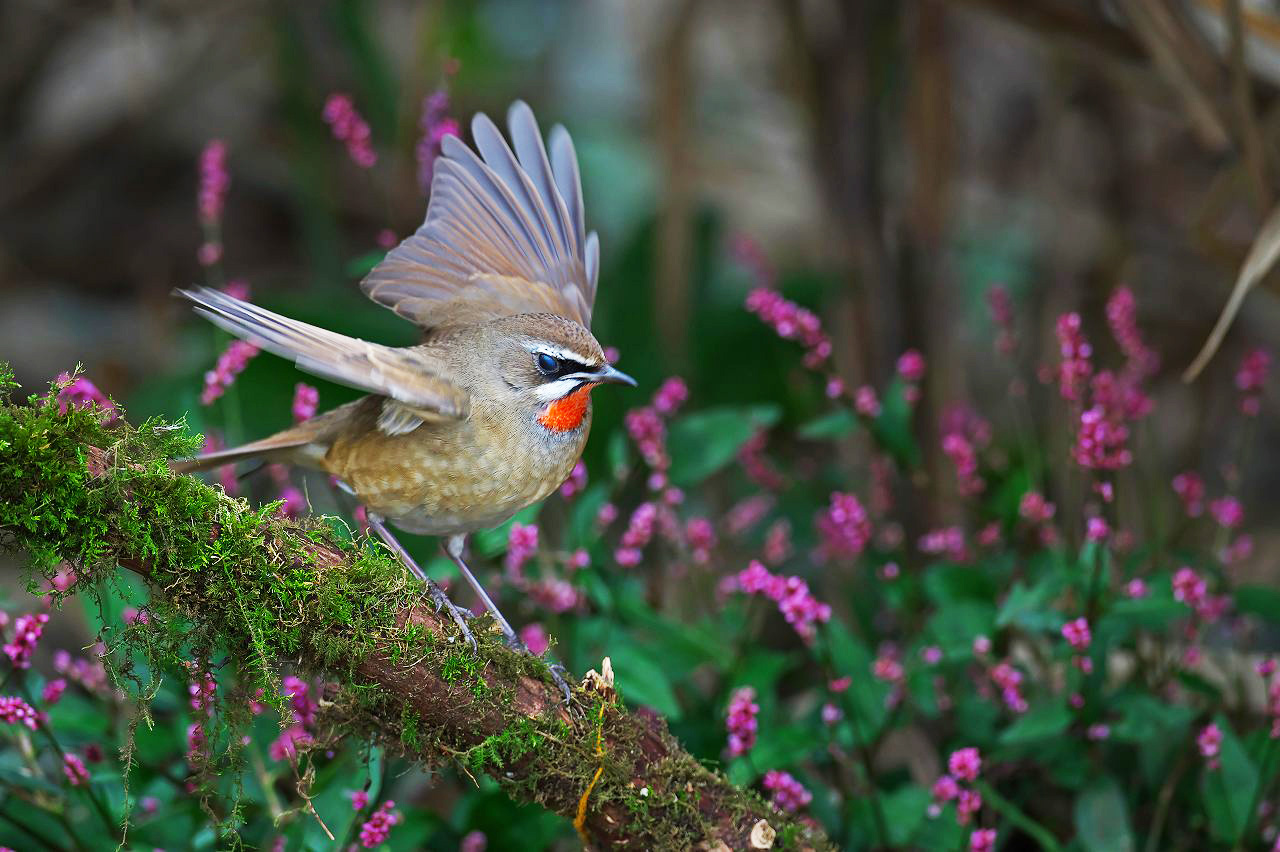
(551, 364)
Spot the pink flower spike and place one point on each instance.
(375, 830)
(982, 840)
(1190, 490)
(1251, 378)
(27, 630)
(73, 767)
(911, 366)
(350, 128)
(1227, 511)
(305, 400)
(474, 841)
(214, 181)
(788, 793)
(435, 124)
(359, 800)
(15, 711)
(535, 638)
(844, 527)
(965, 764)
(1077, 633)
(1209, 741)
(741, 721)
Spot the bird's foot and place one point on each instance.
(442, 601)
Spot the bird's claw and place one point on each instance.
(442, 601)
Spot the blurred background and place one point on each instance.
(893, 159)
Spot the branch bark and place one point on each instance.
(622, 777)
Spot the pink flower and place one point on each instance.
(741, 722)
(649, 433)
(555, 594)
(359, 800)
(1077, 633)
(911, 366)
(835, 388)
(229, 365)
(968, 803)
(82, 393)
(670, 396)
(982, 840)
(1075, 368)
(757, 465)
(1188, 587)
(577, 481)
(350, 128)
(1096, 529)
(844, 528)
(1251, 378)
(53, 690)
(1136, 588)
(535, 638)
(1101, 441)
(797, 605)
(1227, 511)
(214, 181)
(791, 322)
(1209, 741)
(865, 402)
(777, 542)
(27, 630)
(965, 764)
(1122, 316)
(15, 711)
(840, 684)
(522, 544)
(981, 646)
(1098, 732)
(887, 669)
(788, 793)
(1190, 490)
(1002, 314)
(961, 453)
(989, 536)
(831, 714)
(748, 512)
(931, 654)
(638, 533)
(294, 503)
(73, 767)
(474, 841)
(305, 400)
(435, 124)
(376, 829)
(701, 537)
(945, 789)
(285, 746)
(948, 541)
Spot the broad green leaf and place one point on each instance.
(1028, 606)
(947, 582)
(955, 626)
(642, 680)
(1102, 819)
(865, 701)
(360, 266)
(1263, 601)
(837, 424)
(1228, 790)
(1144, 718)
(1041, 722)
(704, 442)
(892, 429)
(904, 812)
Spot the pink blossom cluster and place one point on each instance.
(741, 721)
(554, 593)
(305, 400)
(53, 689)
(1121, 397)
(359, 800)
(202, 690)
(474, 841)
(1101, 441)
(639, 531)
(1209, 742)
(88, 673)
(82, 393)
(788, 794)
(700, 535)
(866, 403)
(1077, 634)
(303, 707)
(670, 395)
(911, 366)
(535, 638)
(522, 544)
(1191, 589)
(965, 459)
(214, 181)
(293, 503)
(1075, 367)
(1001, 306)
(748, 512)
(377, 827)
(887, 668)
(435, 124)
(1008, 680)
(757, 465)
(791, 322)
(26, 635)
(15, 711)
(800, 608)
(1251, 378)
(964, 765)
(844, 527)
(75, 770)
(1190, 490)
(1122, 316)
(1096, 529)
(777, 542)
(1035, 508)
(945, 541)
(230, 363)
(982, 840)
(1227, 512)
(577, 481)
(350, 129)
(649, 432)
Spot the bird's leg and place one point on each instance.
(438, 596)
(454, 546)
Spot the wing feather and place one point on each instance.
(401, 374)
(500, 236)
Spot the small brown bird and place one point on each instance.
(491, 411)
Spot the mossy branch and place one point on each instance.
(270, 591)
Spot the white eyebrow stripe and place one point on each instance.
(561, 353)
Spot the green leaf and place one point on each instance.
(866, 694)
(837, 424)
(1228, 791)
(892, 429)
(1102, 819)
(1149, 613)
(706, 441)
(904, 812)
(490, 543)
(1028, 606)
(1041, 722)
(1262, 601)
(642, 680)
(955, 626)
(1144, 718)
(946, 583)
(359, 267)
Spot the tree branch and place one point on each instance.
(270, 590)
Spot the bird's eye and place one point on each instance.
(547, 364)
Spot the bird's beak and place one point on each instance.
(608, 374)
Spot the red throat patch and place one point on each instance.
(566, 413)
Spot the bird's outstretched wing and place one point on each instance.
(503, 235)
(404, 375)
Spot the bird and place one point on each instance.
(490, 412)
